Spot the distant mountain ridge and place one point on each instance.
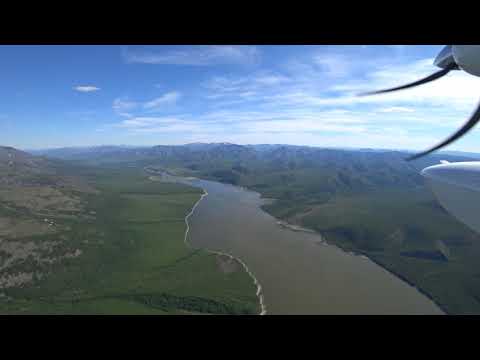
(203, 151)
(17, 166)
(287, 169)
(20, 168)
(83, 152)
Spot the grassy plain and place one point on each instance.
(133, 257)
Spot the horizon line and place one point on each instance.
(210, 143)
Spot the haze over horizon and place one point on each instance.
(133, 146)
(63, 96)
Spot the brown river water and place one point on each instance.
(298, 272)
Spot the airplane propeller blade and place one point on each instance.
(474, 119)
(432, 77)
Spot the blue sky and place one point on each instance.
(55, 96)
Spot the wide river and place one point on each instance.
(298, 272)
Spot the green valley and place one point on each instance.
(124, 253)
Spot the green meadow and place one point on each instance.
(133, 257)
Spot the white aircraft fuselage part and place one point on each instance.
(457, 188)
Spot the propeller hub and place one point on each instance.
(445, 59)
(467, 57)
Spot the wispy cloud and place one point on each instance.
(333, 65)
(458, 89)
(313, 91)
(299, 126)
(86, 88)
(270, 79)
(397, 109)
(147, 125)
(196, 56)
(166, 99)
(312, 100)
(243, 88)
(122, 106)
(146, 122)
(250, 121)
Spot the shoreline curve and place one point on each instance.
(259, 294)
(263, 308)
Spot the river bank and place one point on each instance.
(297, 275)
(364, 255)
(293, 227)
(263, 309)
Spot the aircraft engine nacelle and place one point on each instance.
(457, 188)
(467, 58)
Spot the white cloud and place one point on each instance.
(160, 125)
(122, 106)
(126, 107)
(251, 121)
(397, 109)
(271, 79)
(455, 93)
(226, 84)
(301, 105)
(333, 64)
(145, 122)
(303, 125)
(338, 127)
(457, 89)
(233, 90)
(86, 88)
(166, 99)
(195, 55)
